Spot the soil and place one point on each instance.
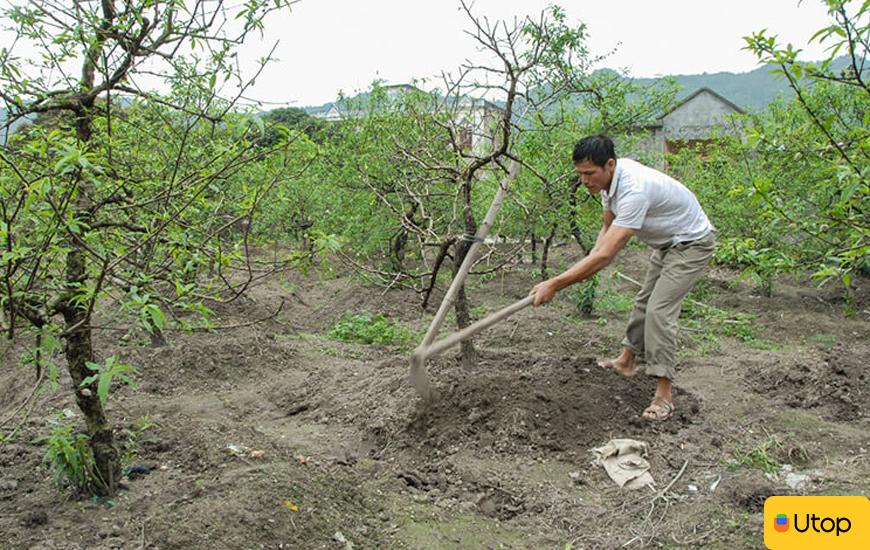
(271, 435)
(833, 381)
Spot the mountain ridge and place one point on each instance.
(751, 90)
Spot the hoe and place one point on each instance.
(427, 348)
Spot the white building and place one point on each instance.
(692, 123)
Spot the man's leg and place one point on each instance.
(681, 269)
(633, 343)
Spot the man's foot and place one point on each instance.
(624, 367)
(659, 409)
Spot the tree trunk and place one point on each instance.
(10, 304)
(442, 253)
(463, 316)
(575, 227)
(79, 347)
(460, 306)
(397, 250)
(397, 247)
(545, 253)
(534, 254)
(79, 351)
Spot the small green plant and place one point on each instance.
(584, 296)
(40, 356)
(69, 457)
(760, 264)
(613, 301)
(479, 311)
(534, 272)
(143, 423)
(486, 277)
(131, 438)
(704, 324)
(757, 457)
(105, 373)
(151, 317)
(368, 328)
(739, 326)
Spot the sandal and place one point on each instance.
(659, 409)
(608, 364)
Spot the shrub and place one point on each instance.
(69, 457)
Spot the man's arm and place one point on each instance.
(608, 246)
(608, 219)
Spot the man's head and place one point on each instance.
(595, 161)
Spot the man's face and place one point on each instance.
(595, 177)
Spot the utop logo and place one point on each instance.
(813, 522)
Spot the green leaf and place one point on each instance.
(154, 316)
(106, 372)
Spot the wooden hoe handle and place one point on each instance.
(476, 327)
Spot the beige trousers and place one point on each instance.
(652, 327)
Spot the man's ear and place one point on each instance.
(611, 165)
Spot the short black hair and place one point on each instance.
(597, 149)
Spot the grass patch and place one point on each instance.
(698, 342)
(762, 344)
(720, 321)
(822, 339)
(702, 291)
(479, 311)
(706, 324)
(370, 329)
(757, 457)
(614, 302)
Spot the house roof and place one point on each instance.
(712, 92)
(690, 97)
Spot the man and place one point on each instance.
(666, 216)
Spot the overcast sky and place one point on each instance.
(331, 45)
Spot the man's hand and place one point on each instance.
(544, 292)
(609, 244)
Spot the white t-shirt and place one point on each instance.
(659, 208)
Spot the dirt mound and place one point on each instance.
(832, 380)
(210, 362)
(519, 403)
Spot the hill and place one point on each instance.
(752, 91)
